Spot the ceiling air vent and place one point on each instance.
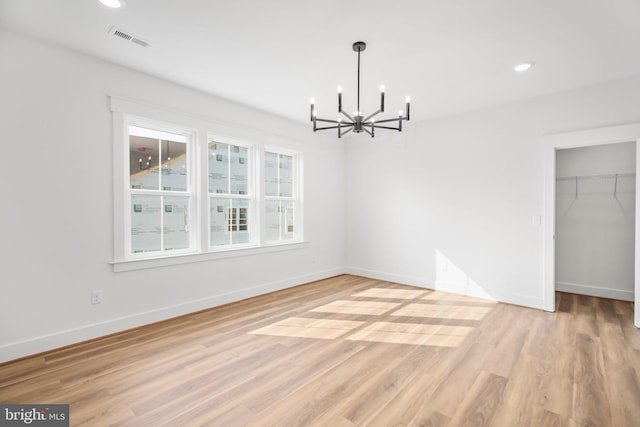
(128, 37)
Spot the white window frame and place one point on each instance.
(251, 197)
(191, 136)
(125, 112)
(296, 197)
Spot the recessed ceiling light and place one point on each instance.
(523, 67)
(114, 4)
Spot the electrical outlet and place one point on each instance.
(96, 297)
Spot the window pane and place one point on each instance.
(218, 167)
(229, 221)
(218, 228)
(238, 159)
(174, 165)
(286, 176)
(271, 174)
(287, 218)
(143, 158)
(145, 223)
(272, 220)
(239, 221)
(279, 220)
(176, 223)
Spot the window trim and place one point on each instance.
(123, 110)
(192, 141)
(253, 195)
(140, 264)
(296, 198)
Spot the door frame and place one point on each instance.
(583, 138)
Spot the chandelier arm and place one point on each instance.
(346, 131)
(397, 119)
(333, 127)
(326, 120)
(368, 131)
(372, 115)
(385, 127)
(348, 116)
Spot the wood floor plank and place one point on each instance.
(481, 401)
(350, 351)
(433, 419)
(519, 405)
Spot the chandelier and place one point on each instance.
(357, 122)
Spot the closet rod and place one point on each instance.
(606, 176)
(603, 176)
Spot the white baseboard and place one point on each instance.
(48, 342)
(595, 291)
(456, 288)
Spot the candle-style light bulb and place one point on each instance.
(339, 89)
(381, 88)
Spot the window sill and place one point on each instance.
(140, 264)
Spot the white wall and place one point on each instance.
(449, 203)
(57, 220)
(595, 230)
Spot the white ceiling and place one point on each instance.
(449, 55)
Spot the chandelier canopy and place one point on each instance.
(357, 122)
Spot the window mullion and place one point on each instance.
(162, 245)
(159, 157)
(202, 191)
(228, 168)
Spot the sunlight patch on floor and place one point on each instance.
(373, 323)
(356, 307)
(302, 327)
(442, 311)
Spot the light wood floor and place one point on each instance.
(350, 351)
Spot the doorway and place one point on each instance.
(551, 144)
(595, 220)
